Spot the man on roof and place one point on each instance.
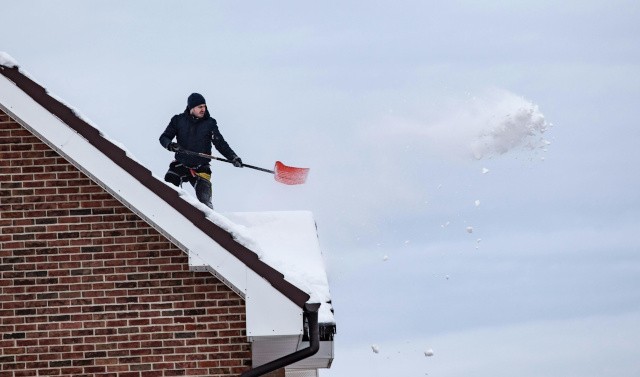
(195, 130)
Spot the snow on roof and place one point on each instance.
(7, 61)
(288, 242)
(285, 240)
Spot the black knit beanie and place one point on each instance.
(194, 100)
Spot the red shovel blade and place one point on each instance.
(290, 175)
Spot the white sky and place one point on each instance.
(380, 100)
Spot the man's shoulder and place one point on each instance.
(179, 119)
(210, 121)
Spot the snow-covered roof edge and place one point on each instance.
(203, 221)
(289, 242)
(7, 61)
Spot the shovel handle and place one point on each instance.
(282, 173)
(223, 160)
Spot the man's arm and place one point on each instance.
(221, 144)
(167, 136)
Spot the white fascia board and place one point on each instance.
(171, 223)
(269, 312)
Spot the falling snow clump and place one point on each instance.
(428, 352)
(509, 122)
(375, 348)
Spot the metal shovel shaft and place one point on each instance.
(288, 175)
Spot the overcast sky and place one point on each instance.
(474, 164)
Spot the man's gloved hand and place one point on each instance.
(173, 147)
(237, 162)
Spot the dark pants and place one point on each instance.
(199, 177)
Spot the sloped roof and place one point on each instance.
(195, 216)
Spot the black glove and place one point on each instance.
(237, 162)
(174, 147)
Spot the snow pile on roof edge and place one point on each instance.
(7, 61)
(288, 241)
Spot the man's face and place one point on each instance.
(199, 111)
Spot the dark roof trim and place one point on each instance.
(144, 176)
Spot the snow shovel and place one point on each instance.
(288, 175)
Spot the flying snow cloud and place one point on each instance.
(492, 123)
(505, 121)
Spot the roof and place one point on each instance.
(210, 239)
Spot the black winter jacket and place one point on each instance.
(195, 135)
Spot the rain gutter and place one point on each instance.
(311, 314)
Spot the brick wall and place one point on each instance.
(89, 289)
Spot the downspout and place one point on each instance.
(311, 313)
